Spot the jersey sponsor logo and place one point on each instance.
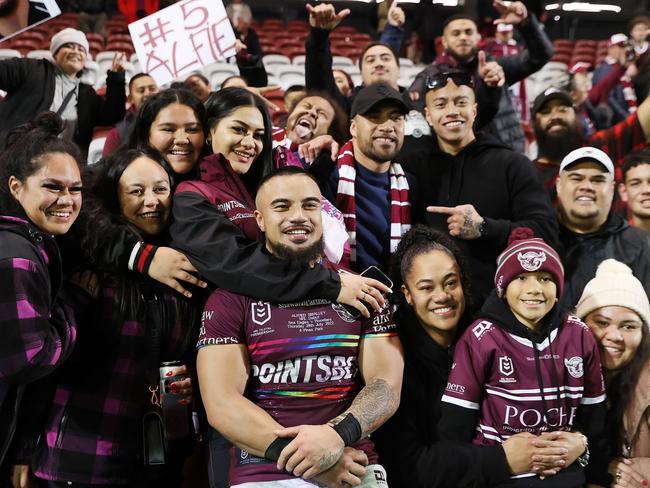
(531, 417)
(261, 312)
(306, 369)
(480, 328)
(216, 341)
(505, 365)
(531, 260)
(343, 313)
(575, 367)
(453, 387)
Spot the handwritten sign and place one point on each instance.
(182, 38)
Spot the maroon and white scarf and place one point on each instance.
(628, 89)
(400, 208)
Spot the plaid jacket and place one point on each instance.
(37, 332)
(93, 429)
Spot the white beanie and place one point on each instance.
(68, 35)
(614, 285)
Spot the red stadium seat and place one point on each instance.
(24, 45)
(124, 47)
(119, 38)
(93, 37)
(293, 51)
(347, 29)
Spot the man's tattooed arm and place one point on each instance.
(374, 404)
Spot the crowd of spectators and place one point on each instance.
(328, 284)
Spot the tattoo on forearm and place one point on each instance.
(469, 230)
(374, 404)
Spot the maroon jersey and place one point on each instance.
(303, 363)
(495, 373)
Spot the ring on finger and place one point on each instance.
(619, 475)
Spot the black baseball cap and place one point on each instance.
(371, 95)
(551, 94)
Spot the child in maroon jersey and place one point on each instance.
(525, 366)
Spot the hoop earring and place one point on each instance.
(208, 142)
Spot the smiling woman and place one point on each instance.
(40, 197)
(615, 307)
(128, 319)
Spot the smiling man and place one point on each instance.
(339, 374)
(478, 189)
(634, 190)
(589, 233)
(558, 131)
(367, 185)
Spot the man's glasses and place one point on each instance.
(458, 77)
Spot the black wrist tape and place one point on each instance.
(275, 448)
(349, 429)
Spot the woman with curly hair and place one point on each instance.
(433, 312)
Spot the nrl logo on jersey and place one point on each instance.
(507, 369)
(574, 366)
(531, 260)
(261, 312)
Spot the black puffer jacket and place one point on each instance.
(582, 253)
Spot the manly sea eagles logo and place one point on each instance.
(505, 365)
(261, 312)
(574, 366)
(531, 260)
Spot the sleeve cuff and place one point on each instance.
(141, 256)
(495, 464)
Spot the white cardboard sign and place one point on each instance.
(182, 38)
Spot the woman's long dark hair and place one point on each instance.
(24, 151)
(421, 239)
(103, 211)
(620, 389)
(139, 136)
(221, 104)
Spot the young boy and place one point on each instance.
(525, 366)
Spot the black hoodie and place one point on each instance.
(550, 340)
(503, 188)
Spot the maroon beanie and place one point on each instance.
(527, 254)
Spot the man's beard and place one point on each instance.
(300, 257)
(556, 147)
(7, 7)
(464, 58)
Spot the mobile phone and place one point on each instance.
(376, 274)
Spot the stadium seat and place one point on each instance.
(218, 72)
(10, 53)
(275, 59)
(93, 37)
(405, 63)
(123, 47)
(294, 51)
(341, 62)
(298, 60)
(95, 150)
(24, 45)
(40, 54)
